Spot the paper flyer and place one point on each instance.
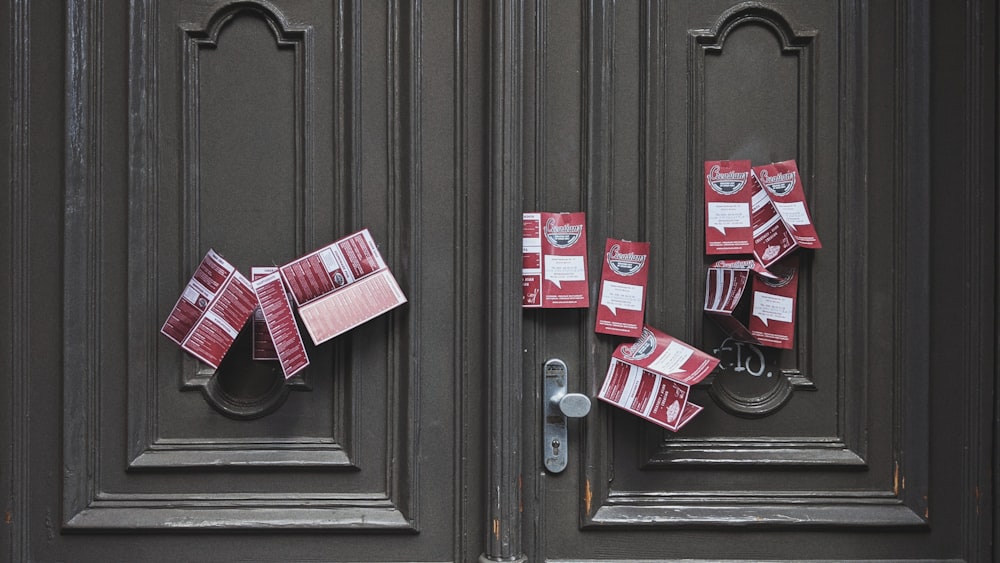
(652, 378)
(341, 286)
(727, 207)
(772, 302)
(263, 345)
(554, 260)
(772, 239)
(280, 324)
(622, 300)
(209, 314)
(783, 184)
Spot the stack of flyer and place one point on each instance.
(759, 212)
(771, 300)
(335, 289)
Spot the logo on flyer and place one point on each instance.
(771, 252)
(625, 264)
(562, 236)
(641, 348)
(780, 184)
(673, 410)
(726, 183)
(784, 273)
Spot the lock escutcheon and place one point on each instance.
(558, 407)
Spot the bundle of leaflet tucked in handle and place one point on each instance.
(771, 302)
(759, 211)
(336, 288)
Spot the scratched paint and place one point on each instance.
(895, 480)
(587, 495)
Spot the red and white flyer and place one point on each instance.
(554, 260)
(280, 323)
(772, 303)
(784, 188)
(652, 378)
(727, 207)
(209, 314)
(263, 345)
(341, 286)
(772, 239)
(622, 299)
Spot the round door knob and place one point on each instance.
(574, 405)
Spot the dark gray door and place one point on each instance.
(263, 130)
(864, 441)
(138, 135)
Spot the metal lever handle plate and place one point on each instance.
(558, 406)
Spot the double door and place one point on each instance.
(264, 130)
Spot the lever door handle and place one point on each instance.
(559, 406)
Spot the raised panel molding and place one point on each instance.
(198, 41)
(147, 450)
(869, 506)
(196, 38)
(798, 44)
(18, 277)
(87, 505)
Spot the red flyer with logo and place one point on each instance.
(622, 299)
(209, 314)
(727, 207)
(772, 239)
(341, 286)
(263, 345)
(280, 323)
(651, 378)
(784, 188)
(554, 260)
(771, 320)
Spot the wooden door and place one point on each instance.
(137, 135)
(149, 132)
(850, 445)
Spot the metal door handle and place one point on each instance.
(558, 406)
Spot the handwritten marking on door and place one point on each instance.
(748, 358)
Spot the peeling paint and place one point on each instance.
(496, 528)
(895, 480)
(587, 496)
(8, 518)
